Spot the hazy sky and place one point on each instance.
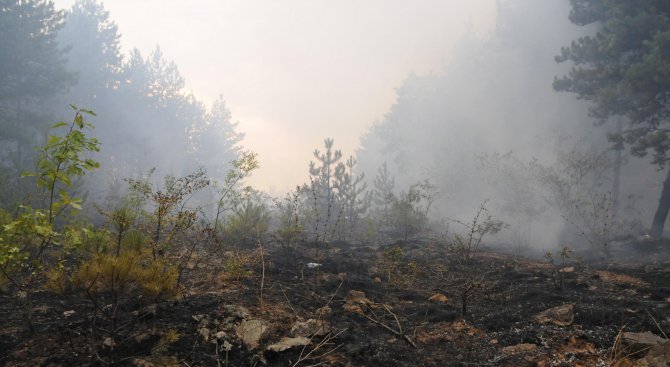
(294, 72)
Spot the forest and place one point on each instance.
(508, 210)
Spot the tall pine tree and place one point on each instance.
(624, 70)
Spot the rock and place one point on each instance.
(287, 343)
(525, 348)
(138, 362)
(109, 343)
(578, 346)
(251, 332)
(220, 335)
(199, 317)
(438, 298)
(563, 315)
(357, 297)
(324, 311)
(204, 333)
(227, 346)
(239, 312)
(355, 301)
(448, 331)
(310, 328)
(351, 307)
(633, 343)
(150, 310)
(68, 313)
(567, 269)
(658, 356)
(377, 280)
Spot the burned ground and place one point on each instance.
(357, 309)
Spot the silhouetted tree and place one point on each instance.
(384, 184)
(32, 71)
(94, 52)
(215, 142)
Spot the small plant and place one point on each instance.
(290, 229)
(465, 247)
(463, 280)
(249, 221)
(409, 210)
(558, 272)
(393, 259)
(27, 242)
(353, 196)
(236, 267)
(163, 214)
(229, 194)
(117, 277)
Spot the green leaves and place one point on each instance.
(23, 241)
(624, 69)
(61, 160)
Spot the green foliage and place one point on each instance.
(236, 267)
(61, 160)
(399, 271)
(114, 268)
(169, 219)
(112, 282)
(624, 70)
(32, 76)
(558, 273)
(409, 210)
(229, 194)
(32, 61)
(290, 229)
(249, 221)
(25, 239)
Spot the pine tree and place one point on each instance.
(352, 194)
(94, 51)
(32, 72)
(326, 209)
(624, 70)
(384, 184)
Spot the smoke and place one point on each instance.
(491, 127)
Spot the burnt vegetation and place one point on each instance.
(128, 245)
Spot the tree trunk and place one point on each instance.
(618, 159)
(662, 210)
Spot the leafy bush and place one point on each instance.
(409, 210)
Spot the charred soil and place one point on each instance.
(342, 304)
